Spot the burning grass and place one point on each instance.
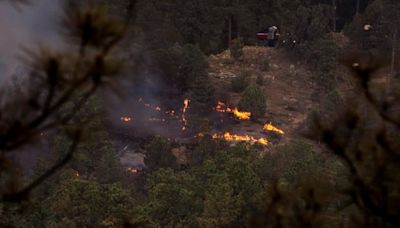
(270, 127)
(227, 136)
(182, 119)
(221, 107)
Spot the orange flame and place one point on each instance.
(221, 107)
(240, 138)
(126, 119)
(270, 127)
(185, 107)
(241, 115)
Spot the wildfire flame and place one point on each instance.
(240, 138)
(270, 127)
(126, 119)
(147, 105)
(241, 115)
(185, 107)
(221, 107)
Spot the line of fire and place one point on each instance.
(174, 119)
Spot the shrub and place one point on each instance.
(253, 100)
(264, 63)
(202, 95)
(158, 154)
(194, 65)
(322, 55)
(260, 79)
(239, 83)
(236, 49)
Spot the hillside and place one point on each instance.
(288, 84)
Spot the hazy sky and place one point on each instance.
(27, 26)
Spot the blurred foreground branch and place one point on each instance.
(364, 133)
(59, 85)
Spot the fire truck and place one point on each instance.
(269, 36)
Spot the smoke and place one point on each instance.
(37, 23)
(27, 26)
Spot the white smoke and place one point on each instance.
(27, 26)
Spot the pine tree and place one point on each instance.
(253, 100)
(222, 206)
(159, 155)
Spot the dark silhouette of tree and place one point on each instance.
(60, 84)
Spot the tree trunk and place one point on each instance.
(334, 15)
(358, 7)
(392, 65)
(229, 31)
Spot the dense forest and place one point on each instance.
(175, 114)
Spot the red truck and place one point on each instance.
(269, 36)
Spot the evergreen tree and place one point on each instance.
(221, 204)
(84, 203)
(158, 154)
(172, 200)
(194, 66)
(202, 95)
(253, 100)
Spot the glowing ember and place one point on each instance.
(185, 107)
(240, 138)
(147, 105)
(270, 127)
(132, 170)
(126, 119)
(221, 107)
(171, 113)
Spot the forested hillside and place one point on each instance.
(176, 114)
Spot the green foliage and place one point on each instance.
(200, 22)
(302, 181)
(172, 199)
(202, 96)
(194, 65)
(76, 202)
(84, 203)
(158, 154)
(382, 16)
(221, 205)
(294, 163)
(108, 169)
(96, 156)
(222, 189)
(240, 83)
(322, 54)
(253, 100)
(236, 49)
(169, 61)
(204, 150)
